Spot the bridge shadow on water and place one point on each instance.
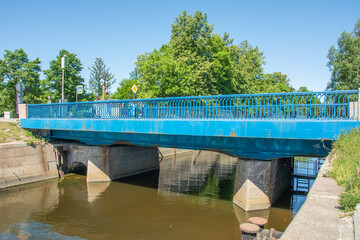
(197, 173)
(212, 175)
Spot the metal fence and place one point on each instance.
(311, 105)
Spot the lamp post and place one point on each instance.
(62, 85)
(102, 81)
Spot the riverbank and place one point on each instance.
(320, 215)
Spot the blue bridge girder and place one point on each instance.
(261, 126)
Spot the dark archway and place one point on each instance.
(78, 168)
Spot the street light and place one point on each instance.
(62, 85)
(102, 81)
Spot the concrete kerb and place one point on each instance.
(356, 218)
(13, 145)
(15, 120)
(320, 216)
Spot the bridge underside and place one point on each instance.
(259, 139)
(257, 148)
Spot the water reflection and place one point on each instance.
(204, 174)
(190, 197)
(95, 189)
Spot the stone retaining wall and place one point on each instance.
(173, 151)
(21, 163)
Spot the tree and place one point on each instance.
(247, 69)
(194, 62)
(273, 83)
(192, 46)
(124, 90)
(303, 89)
(52, 84)
(135, 74)
(161, 76)
(198, 62)
(97, 72)
(17, 68)
(344, 61)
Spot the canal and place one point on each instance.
(190, 197)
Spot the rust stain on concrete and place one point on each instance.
(43, 160)
(104, 154)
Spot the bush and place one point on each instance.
(345, 158)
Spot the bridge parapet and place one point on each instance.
(328, 105)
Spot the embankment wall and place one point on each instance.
(21, 163)
(320, 217)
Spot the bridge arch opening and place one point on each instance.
(78, 168)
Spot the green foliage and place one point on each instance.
(89, 97)
(211, 188)
(97, 72)
(198, 62)
(344, 61)
(134, 74)
(345, 158)
(11, 132)
(52, 84)
(17, 68)
(349, 199)
(303, 89)
(247, 70)
(275, 82)
(124, 90)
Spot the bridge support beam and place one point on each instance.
(260, 183)
(113, 162)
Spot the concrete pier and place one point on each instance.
(260, 183)
(111, 162)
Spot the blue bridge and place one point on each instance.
(259, 126)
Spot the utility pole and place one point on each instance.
(103, 92)
(102, 81)
(62, 85)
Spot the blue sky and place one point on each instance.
(295, 36)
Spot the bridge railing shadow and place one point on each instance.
(341, 105)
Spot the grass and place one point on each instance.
(345, 158)
(11, 132)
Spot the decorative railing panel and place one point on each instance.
(311, 105)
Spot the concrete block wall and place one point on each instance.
(173, 151)
(132, 160)
(21, 163)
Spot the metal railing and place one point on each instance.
(311, 105)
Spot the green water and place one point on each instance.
(189, 198)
